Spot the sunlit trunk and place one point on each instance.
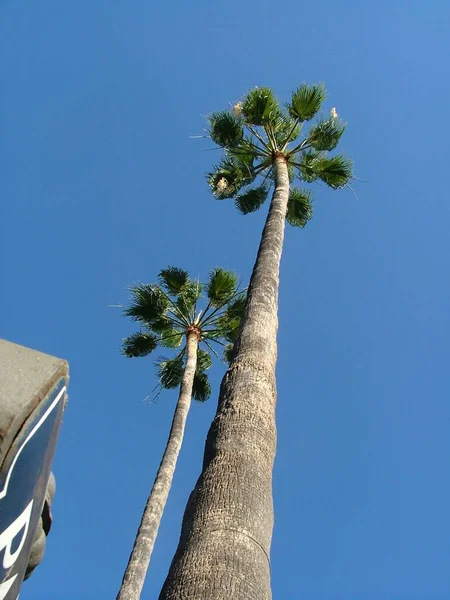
(134, 577)
(223, 552)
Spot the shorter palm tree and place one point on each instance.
(168, 313)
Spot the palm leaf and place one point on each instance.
(221, 287)
(187, 298)
(171, 338)
(204, 361)
(170, 371)
(286, 130)
(162, 324)
(299, 209)
(173, 279)
(228, 177)
(232, 331)
(228, 324)
(260, 106)
(308, 165)
(201, 389)
(139, 344)
(291, 172)
(228, 352)
(251, 200)
(244, 156)
(326, 134)
(148, 303)
(335, 171)
(306, 101)
(225, 129)
(225, 328)
(236, 308)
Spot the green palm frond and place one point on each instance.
(291, 172)
(188, 297)
(148, 303)
(244, 156)
(139, 344)
(228, 324)
(228, 352)
(286, 130)
(173, 279)
(225, 129)
(221, 287)
(228, 177)
(204, 361)
(232, 331)
(326, 134)
(306, 101)
(299, 209)
(171, 338)
(335, 171)
(162, 324)
(308, 165)
(225, 328)
(236, 307)
(170, 371)
(251, 200)
(201, 389)
(260, 106)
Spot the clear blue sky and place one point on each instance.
(101, 186)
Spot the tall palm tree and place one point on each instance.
(169, 314)
(224, 548)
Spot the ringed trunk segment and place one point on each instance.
(223, 552)
(134, 577)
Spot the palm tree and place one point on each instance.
(224, 548)
(168, 315)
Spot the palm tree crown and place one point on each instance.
(258, 130)
(169, 311)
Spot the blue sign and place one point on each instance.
(23, 483)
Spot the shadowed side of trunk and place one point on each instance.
(139, 560)
(223, 552)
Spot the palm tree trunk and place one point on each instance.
(133, 579)
(223, 552)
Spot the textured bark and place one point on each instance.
(223, 552)
(134, 577)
